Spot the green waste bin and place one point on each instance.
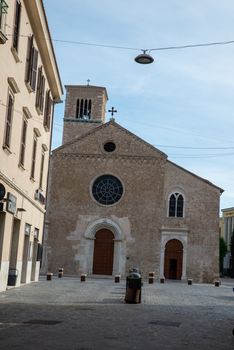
(133, 287)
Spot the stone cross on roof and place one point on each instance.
(112, 111)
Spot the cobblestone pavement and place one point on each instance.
(72, 315)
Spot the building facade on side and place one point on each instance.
(227, 230)
(115, 202)
(30, 86)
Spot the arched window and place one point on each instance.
(89, 109)
(77, 108)
(176, 205)
(81, 113)
(83, 109)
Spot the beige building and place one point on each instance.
(227, 230)
(116, 201)
(30, 86)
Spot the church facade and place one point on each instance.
(116, 201)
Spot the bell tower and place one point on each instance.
(85, 109)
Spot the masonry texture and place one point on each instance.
(145, 234)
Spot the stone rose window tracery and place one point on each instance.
(107, 189)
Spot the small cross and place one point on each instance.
(112, 111)
(88, 81)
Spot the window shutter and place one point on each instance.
(34, 157)
(16, 25)
(39, 77)
(29, 59)
(42, 92)
(34, 68)
(23, 142)
(48, 107)
(9, 121)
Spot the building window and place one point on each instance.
(176, 205)
(27, 230)
(40, 91)
(16, 25)
(23, 142)
(83, 109)
(109, 147)
(42, 169)
(47, 111)
(107, 189)
(9, 119)
(34, 152)
(3, 13)
(31, 65)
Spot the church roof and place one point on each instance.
(197, 176)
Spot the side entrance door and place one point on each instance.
(173, 259)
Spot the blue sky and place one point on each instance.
(184, 99)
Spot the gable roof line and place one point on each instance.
(197, 176)
(102, 126)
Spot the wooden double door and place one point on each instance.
(173, 259)
(103, 255)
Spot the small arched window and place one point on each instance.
(176, 205)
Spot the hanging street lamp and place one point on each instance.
(144, 58)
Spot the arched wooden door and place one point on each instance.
(173, 259)
(103, 252)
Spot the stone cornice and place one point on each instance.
(105, 157)
(38, 20)
(77, 120)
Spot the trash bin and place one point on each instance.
(12, 277)
(133, 287)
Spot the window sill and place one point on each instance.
(176, 217)
(21, 166)
(30, 89)
(15, 54)
(46, 128)
(3, 38)
(39, 111)
(7, 149)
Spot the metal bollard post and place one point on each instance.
(60, 272)
(117, 278)
(83, 277)
(49, 276)
(151, 277)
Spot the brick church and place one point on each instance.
(115, 202)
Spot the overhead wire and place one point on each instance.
(174, 47)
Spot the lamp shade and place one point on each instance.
(144, 58)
